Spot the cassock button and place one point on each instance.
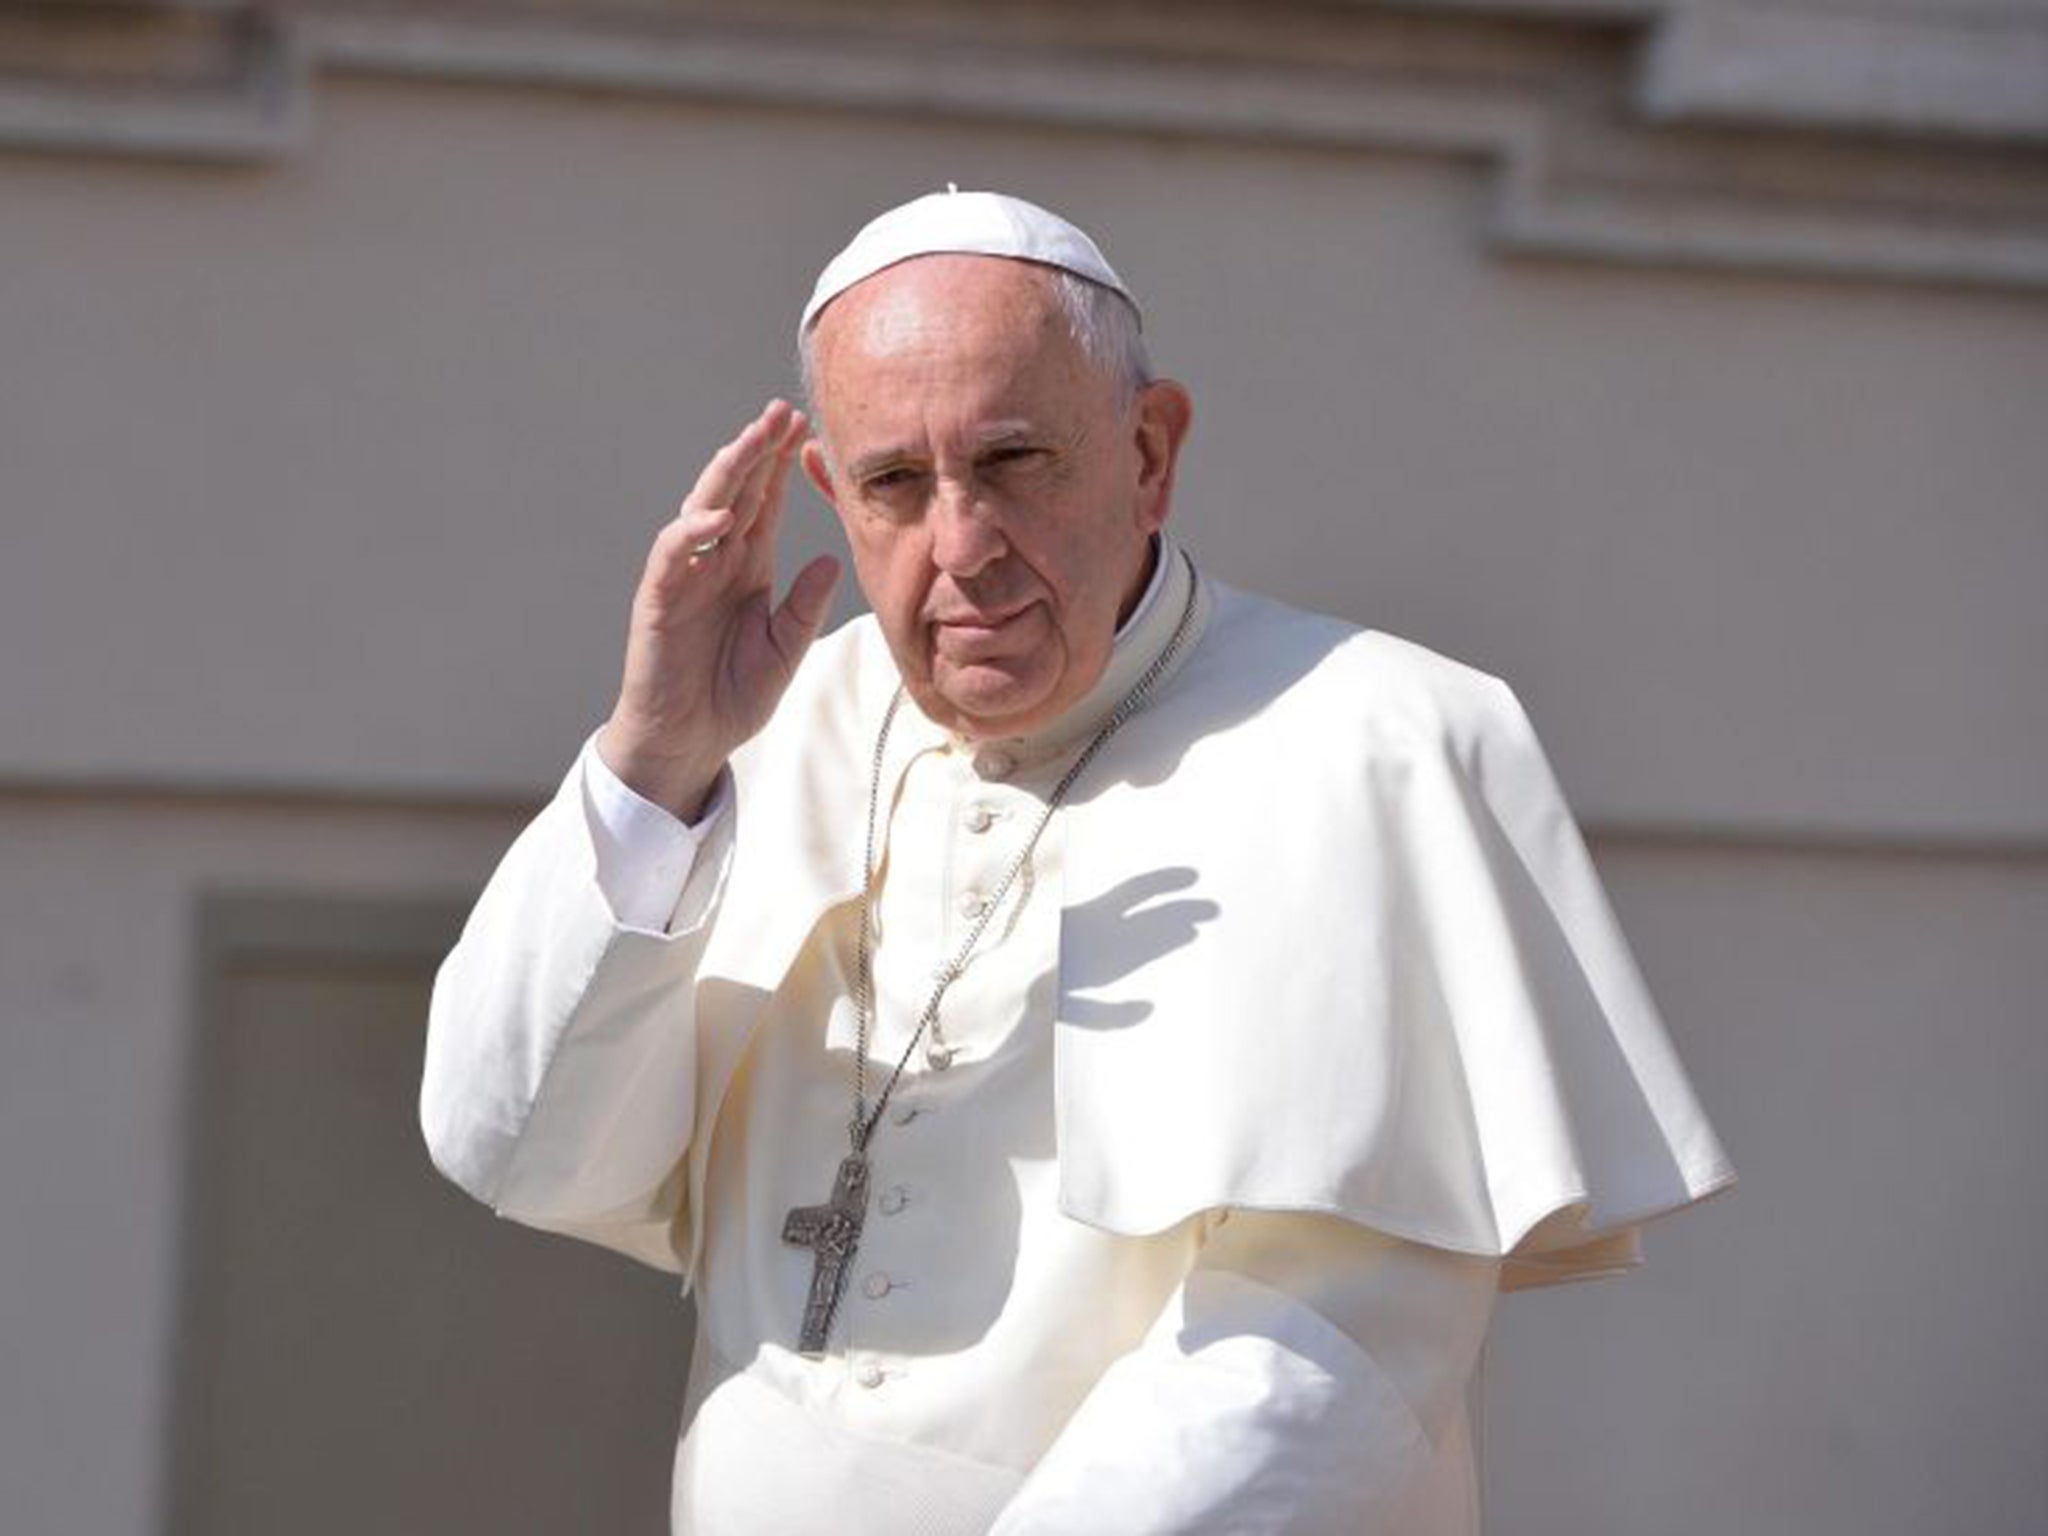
(905, 1113)
(869, 1375)
(894, 1199)
(938, 1057)
(994, 763)
(876, 1286)
(972, 903)
(980, 819)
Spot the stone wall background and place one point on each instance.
(1683, 365)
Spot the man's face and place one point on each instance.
(997, 499)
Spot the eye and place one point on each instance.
(1012, 456)
(886, 480)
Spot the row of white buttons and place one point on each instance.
(989, 763)
(868, 1375)
(972, 903)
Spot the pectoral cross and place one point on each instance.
(832, 1233)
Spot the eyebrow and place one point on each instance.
(1003, 434)
(874, 463)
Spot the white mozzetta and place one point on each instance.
(1196, 1048)
(1441, 1034)
(1464, 1051)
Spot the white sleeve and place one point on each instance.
(644, 851)
(559, 1085)
(1299, 1382)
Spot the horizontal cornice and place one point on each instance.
(88, 794)
(1900, 147)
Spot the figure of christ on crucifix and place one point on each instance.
(832, 1232)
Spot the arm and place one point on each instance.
(560, 1051)
(1298, 1382)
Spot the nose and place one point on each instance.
(967, 536)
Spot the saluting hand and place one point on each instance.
(708, 652)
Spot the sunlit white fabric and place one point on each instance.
(1432, 1047)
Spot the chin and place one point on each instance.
(1001, 706)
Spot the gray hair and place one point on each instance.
(1103, 323)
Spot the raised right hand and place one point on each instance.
(708, 653)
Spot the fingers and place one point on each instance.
(770, 500)
(764, 479)
(734, 507)
(738, 472)
(743, 481)
(720, 483)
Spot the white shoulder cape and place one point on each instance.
(1330, 941)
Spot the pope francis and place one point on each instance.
(1095, 1043)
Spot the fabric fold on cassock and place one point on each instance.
(1438, 1032)
(757, 1463)
(1273, 1419)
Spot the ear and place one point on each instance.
(818, 470)
(1165, 413)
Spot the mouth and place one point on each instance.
(971, 630)
(971, 619)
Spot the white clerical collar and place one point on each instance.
(1143, 634)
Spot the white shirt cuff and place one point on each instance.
(644, 851)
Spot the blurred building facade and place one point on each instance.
(1686, 364)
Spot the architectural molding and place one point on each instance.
(193, 81)
(1753, 139)
(1907, 76)
(167, 798)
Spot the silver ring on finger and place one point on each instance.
(707, 546)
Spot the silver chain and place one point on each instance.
(864, 1121)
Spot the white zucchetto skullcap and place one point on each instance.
(962, 223)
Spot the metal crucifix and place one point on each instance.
(832, 1233)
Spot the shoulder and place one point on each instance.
(1348, 685)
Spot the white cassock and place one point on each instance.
(1307, 1031)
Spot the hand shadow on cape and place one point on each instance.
(1224, 683)
(1219, 687)
(1142, 933)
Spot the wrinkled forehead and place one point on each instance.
(988, 313)
(944, 291)
(950, 348)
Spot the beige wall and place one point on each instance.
(1849, 1341)
(337, 473)
(98, 943)
(331, 477)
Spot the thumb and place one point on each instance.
(795, 623)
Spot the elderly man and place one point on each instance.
(1095, 1043)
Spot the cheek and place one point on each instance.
(894, 576)
(1088, 563)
